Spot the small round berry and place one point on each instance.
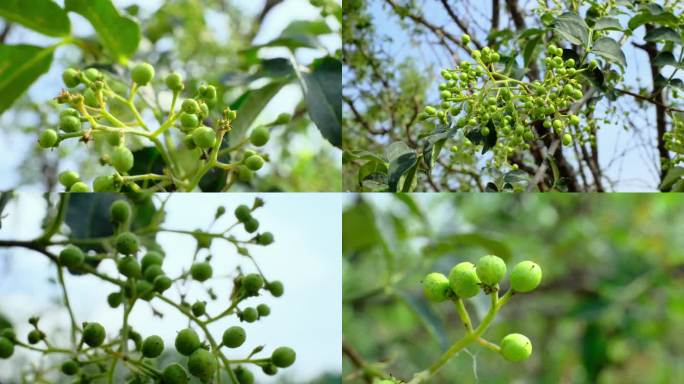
(203, 239)
(90, 98)
(276, 288)
(207, 92)
(94, 334)
(174, 373)
(120, 211)
(151, 258)
(254, 162)
(574, 119)
(70, 124)
(269, 369)
(153, 346)
(465, 39)
(122, 159)
(189, 120)
(436, 287)
(187, 341)
(491, 269)
(245, 175)
(127, 243)
(283, 118)
(593, 64)
(463, 280)
(251, 225)
(71, 256)
(68, 178)
(244, 376)
(516, 347)
(188, 141)
(152, 272)
(202, 364)
(8, 333)
(79, 187)
(263, 310)
(174, 81)
(234, 337)
(265, 238)
(162, 283)
(204, 137)
(199, 308)
(283, 357)
(243, 213)
(70, 77)
(129, 267)
(114, 299)
(35, 336)
(6, 348)
(190, 106)
(201, 271)
(253, 283)
(142, 73)
(93, 74)
(69, 112)
(250, 315)
(48, 138)
(259, 136)
(114, 138)
(69, 367)
(567, 139)
(525, 276)
(104, 183)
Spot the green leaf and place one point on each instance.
(455, 242)
(402, 159)
(20, 66)
(324, 98)
(350, 155)
(434, 143)
(608, 23)
(672, 176)
(663, 34)
(87, 214)
(411, 204)
(572, 28)
(306, 27)
(120, 35)
(427, 316)
(646, 17)
(359, 229)
(250, 105)
(610, 50)
(665, 58)
(528, 50)
(43, 16)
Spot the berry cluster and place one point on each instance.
(479, 98)
(103, 109)
(144, 279)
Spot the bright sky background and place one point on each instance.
(636, 170)
(49, 84)
(306, 257)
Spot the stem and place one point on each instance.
(463, 314)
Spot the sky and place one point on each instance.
(636, 169)
(306, 257)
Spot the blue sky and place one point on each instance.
(306, 257)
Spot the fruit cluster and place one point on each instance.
(143, 279)
(479, 97)
(101, 108)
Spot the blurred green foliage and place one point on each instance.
(610, 308)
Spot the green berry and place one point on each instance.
(151, 258)
(70, 124)
(251, 225)
(114, 138)
(8, 333)
(463, 280)
(282, 118)
(207, 92)
(104, 184)
(189, 120)
(187, 341)
(276, 288)
(243, 213)
(142, 73)
(90, 98)
(120, 211)
(152, 272)
(244, 376)
(114, 299)
(188, 141)
(204, 137)
(283, 357)
(69, 367)
(174, 374)
(79, 187)
(68, 178)
(48, 138)
(201, 271)
(269, 369)
(436, 287)
(574, 119)
(263, 310)
(70, 77)
(202, 364)
(174, 81)
(203, 239)
(259, 136)
(593, 64)
(254, 162)
(93, 74)
(35, 336)
(71, 256)
(199, 308)
(250, 315)
(6, 348)
(265, 238)
(94, 334)
(490, 270)
(557, 124)
(129, 267)
(244, 174)
(127, 243)
(525, 276)
(465, 39)
(516, 347)
(567, 139)
(234, 337)
(190, 106)
(153, 346)
(122, 159)
(253, 283)
(69, 112)
(162, 283)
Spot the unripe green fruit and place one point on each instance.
(204, 137)
(567, 139)
(463, 280)
(465, 39)
(276, 288)
(436, 287)
(153, 346)
(90, 99)
(251, 225)
(574, 119)
(35, 336)
(207, 92)
(122, 159)
(283, 118)
(142, 73)
(187, 341)
(243, 213)
(92, 74)
(151, 258)
(188, 141)
(244, 376)
(114, 299)
(144, 289)
(245, 174)
(114, 138)
(120, 211)
(491, 269)
(525, 276)
(69, 112)
(152, 272)
(516, 347)
(129, 267)
(263, 310)
(70, 77)
(70, 124)
(94, 334)
(234, 337)
(48, 138)
(189, 120)
(265, 238)
(254, 162)
(269, 369)
(204, 239)
(104, 184)
(175, 374)
(162, 283)
(190, 106)
(79, 187)
(250, 315)
(283, 357)
(71, 256)
(69, 367)
(127, 243)
(202, 364)
(6, 348)
(259, 136)
(253, 283)
(199, 308)
(558, 124)
(8, 333)
(174, 81)
(201, 271)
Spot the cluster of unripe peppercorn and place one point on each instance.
(103, 108)
(476, 97)
(146, 280)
